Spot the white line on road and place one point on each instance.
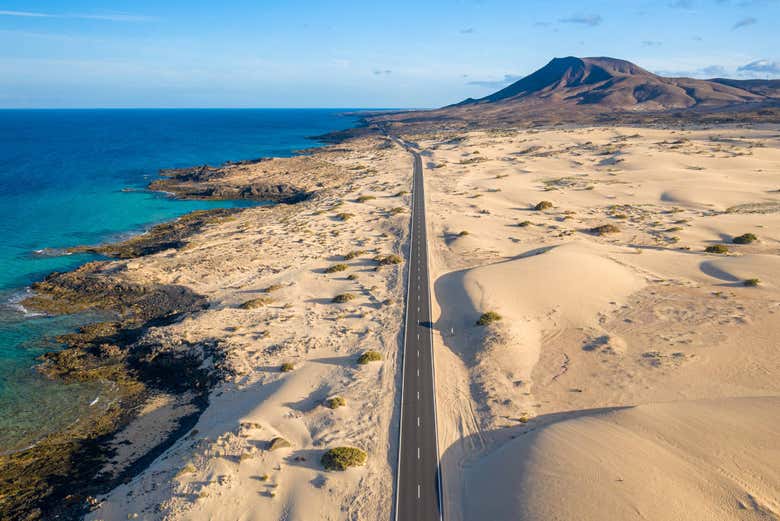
(418, 491)
(418, 372)
(418, 452)
(418, 395)
(418, 424)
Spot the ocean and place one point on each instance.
(72, 177)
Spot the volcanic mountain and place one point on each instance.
(605, 89)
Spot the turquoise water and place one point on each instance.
(70, 177)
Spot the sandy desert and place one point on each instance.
(631, 371)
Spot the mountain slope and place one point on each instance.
(601, 90)
(615, 84)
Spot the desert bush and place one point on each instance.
(745, 238)
(401, 193)
(189, 468)
(353, 254)
(543, 205)
(256, 303)
(395, 211)
(278, 443)
(523, 224)
(369, 356)
(352, 276)
(336, 268)
(717, 248)
(488, 318)
(604, 229)
(287, 367)
(341, 458)
(335, 402)
(751, 283)
(272, 288)
(343, 298)
(364, 198)
(344, 216)
(463, 233)
(384, 260)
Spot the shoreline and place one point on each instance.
(72, 497)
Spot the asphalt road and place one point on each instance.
(418, 488)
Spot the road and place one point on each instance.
(418, 487)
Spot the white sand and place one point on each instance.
(223, 469)
(637, 317)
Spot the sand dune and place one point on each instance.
(608, 300)
(683, 460)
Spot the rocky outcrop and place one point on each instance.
(56, 478)
(206, 182)
(161, 237)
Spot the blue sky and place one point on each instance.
(344, 53)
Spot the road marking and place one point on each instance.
(418, 452)
(418, 353)
(418, 372)
(418, 491)
(418, 395)
(418, 424)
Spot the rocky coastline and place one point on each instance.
(59, 477)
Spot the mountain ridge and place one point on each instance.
(618, 84)
(602, 90)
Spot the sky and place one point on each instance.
(345, 53)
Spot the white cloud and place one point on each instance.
(111, 17)
(761, 67)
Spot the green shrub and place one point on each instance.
(336, 268)
(751, 283)
(352, 276)
(354, 254)
(745, 238)
(604, 229)
(341, 458)
(335, 402)
(717, 248)
(369, 356)
(343, 298)
(488, 318)
(256, 303)
(463, 233)
(287, 367)
(384, 260)
(543, 205)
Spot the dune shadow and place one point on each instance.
(306, 458)
(340, 361)
(467, 451)
(312, 401)
(708, 268)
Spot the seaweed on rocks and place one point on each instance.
(59, 476)
(164, 236)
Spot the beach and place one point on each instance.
(627, 334)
